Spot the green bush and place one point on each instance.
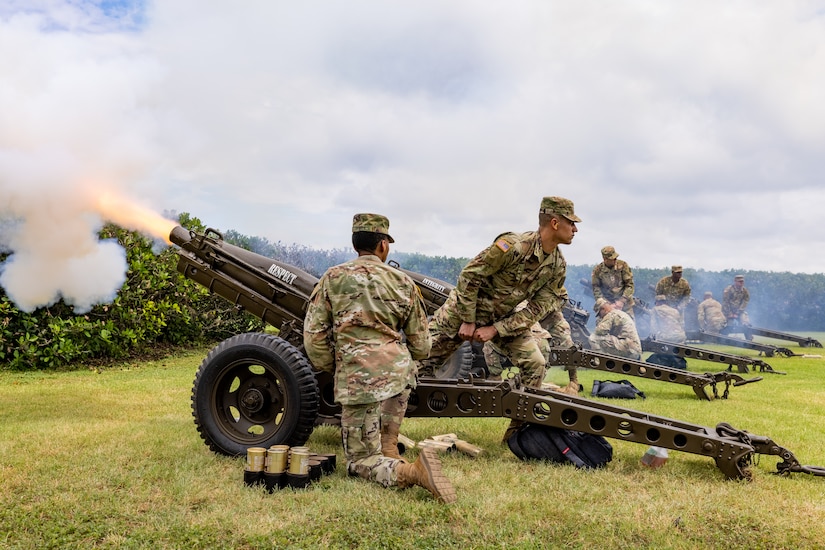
(156, 306)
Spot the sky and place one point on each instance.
(688, 133)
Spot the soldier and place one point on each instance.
(735, 299)
(615, 332)
(709, 313)
(517, 267)
(675, 289)
(613, 280)
(666, 322)
(353, 329)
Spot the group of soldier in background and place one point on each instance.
(613, 291)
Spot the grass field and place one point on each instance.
(110, 458)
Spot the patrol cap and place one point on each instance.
(739, 278)
(598, 305)
(676, 269)
(374, 223)
(609, 253)
(708, 294)
(559, 205)
(661, 298)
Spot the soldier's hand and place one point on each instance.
(485, 334)
(466, 331)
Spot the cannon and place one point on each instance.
(259, 389)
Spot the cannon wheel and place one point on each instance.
(254, 390)
(459, 365)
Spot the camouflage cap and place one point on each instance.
(708, 294)
(609, 253)
(599, 304)
(374, 223)
(559, 205)
(676, 269)
(739, 278)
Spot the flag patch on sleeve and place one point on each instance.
(503, 245)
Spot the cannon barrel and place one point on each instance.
(275, 292)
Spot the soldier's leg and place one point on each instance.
(361, 437)
(525, 354)
(392, 414)
(559, 330)
(493, 360)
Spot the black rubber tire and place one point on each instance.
(459, 365)
(254, 390)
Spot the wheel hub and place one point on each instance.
(253, 400)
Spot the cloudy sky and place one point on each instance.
(685, 132)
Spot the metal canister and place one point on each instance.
(255, 459)
(299, 460)
(276, 459)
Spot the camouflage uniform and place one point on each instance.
(711, 318)
(493, 356)
(490, 287)
(614, 284)
(615, 333)
(353, 329)
(666, 324)
(734, 302)
(677, 293)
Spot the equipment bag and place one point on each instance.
(620, 389)
(538, 442)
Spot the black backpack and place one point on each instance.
(539, 442)
(620, 389)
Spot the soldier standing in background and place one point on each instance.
(676, 291)
(615, 332)
(353, 329)
(735, 300)
(710, 316)
(516, 267)
(666, 322)
(612, 280)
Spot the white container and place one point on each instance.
(654, 457)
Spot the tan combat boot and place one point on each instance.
(571, 389)
(426, 472)
(389, 441)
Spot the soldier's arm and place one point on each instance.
(318, 337)
(596, 284)
(551, 297)
(418, 335)
(629, 286)
(487, 262)
(746, 297)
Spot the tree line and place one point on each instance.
(158, 307)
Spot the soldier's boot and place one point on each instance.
(572, 388)
(511, 429)
(389, 441)
(426, 472)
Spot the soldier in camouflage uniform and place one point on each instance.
(615, 332)
(709, 313)
(666, 322)
(517, 267)
(735, 300)
(612, 280)
(676, 291)
(353, 329)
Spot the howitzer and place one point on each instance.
(260, 390)
(803, 341)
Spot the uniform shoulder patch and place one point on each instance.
(503, 245)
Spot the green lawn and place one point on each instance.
(110, 458)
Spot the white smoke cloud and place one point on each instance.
(75, 125)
